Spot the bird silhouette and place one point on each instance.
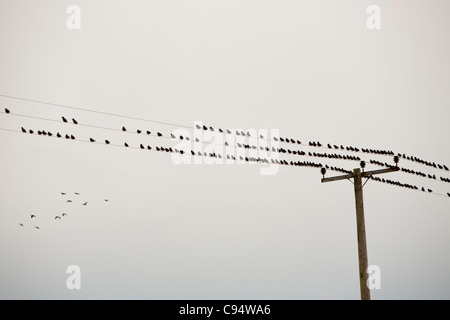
(69, 201)
(32, 216)
(159, 134)
(21, 224)
(141, 146)
(125, 144)
(77, 193)
(74, 121)
(67, 136)
(148, 132)
(149, 148)
(124, 129)
(6, 110)
(198, 126)
(72, 137)
(63, 193)
(64, 214)
(23, 130)
(31, 131)
(107, 142)
(323, 171)
(64, 119)
(85, 204)
(172, 136)
(91, 140)
(37, 228)
(58, 217)
(58, 135)
(106, 200)
(138, 131)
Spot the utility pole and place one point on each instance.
(357, 176)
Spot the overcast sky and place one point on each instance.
(312, 70)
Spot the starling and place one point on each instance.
(138, 131)
(363, 165)
(159, 134)
(141, 146)
(91, 140)
(107, 142)
(58, 135)
(172, 136)
(67, 136)
(125, 144)
(323, 171)
(6, 110)
(124, 129)
(23, 130)
(64, 119)
(85, 204)
(21, 224)
(64, 214)
(31, 131)
(148, 132)
(149, 148)
(205, 127)
(32, 216)
(74, 121)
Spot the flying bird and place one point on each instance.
(63, 193)
(58, 217)
(141, 146)
(74, 121)
(21, 224)
(6, 110)
(77, 193)
(69, 201)
(32, 216)
(138, 131)
(37, 227)
(64, 214)
(85, 204)
(106, 200)
(64, 119)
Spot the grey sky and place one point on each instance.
(311, 69)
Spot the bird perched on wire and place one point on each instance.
(148, 132)
(23, 130)
(91, 140)
(124, 129)
(125, 144)
(396, 159)
(323, 171)
(159, 134)
(6, 110)
(74, 121)
(107, 142)
(64, 119)
(363, 165)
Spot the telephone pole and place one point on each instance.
(357, 176)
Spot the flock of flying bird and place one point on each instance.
(62, 215)
(279, 150)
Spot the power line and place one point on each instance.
(247, 159)
(242, 133)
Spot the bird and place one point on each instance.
(64, 214)
(363, 165)
(448, 194)
(323, 171)
(63, 193)
(148, 132)
(198, 126)
(142, 147)
(107, 142)
(124, 129)
(69, 201)
(31, 131)
(172, 136)
(159, 134)
(64, 119)
(32, 216)
(106, 200)
(67, 136)
(23, 130)
(125, 144)
(72, 137)
(205, 127)
(6, 110)
(58, 135)
(396, 159)
(49, 134)
(37, 228)
(74, 121)
(138, 131)
(58, 217)
(77, 193)
(149, 148)
(91, 140)
(85, 204)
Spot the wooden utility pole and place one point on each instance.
(360, 224)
